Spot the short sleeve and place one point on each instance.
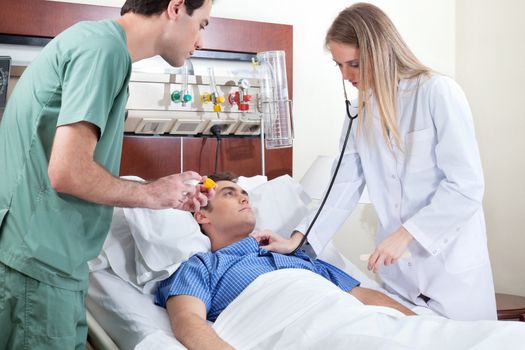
(192, 278)
(92, 77)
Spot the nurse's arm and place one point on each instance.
(188, 321)
(73, 170)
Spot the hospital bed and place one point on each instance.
(119, 304)
(123, 315)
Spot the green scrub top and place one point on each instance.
(81, 75)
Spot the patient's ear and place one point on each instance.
(201, 217)
(174, 8)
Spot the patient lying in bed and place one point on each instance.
(208, 282)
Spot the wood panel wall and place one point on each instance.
(153, 157)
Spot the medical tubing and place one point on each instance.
(216, 131)
(303, 240)
(217, 151)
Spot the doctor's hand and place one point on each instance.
(390, 249)
(273, 242)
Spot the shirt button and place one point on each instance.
(458, 228)
(393, 177)
(445, 241)
(434, 252)
(396, 205)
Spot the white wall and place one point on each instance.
(490, 67)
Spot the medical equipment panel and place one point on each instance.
(181, 103)
(178, 104)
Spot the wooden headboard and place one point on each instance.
(154, 156)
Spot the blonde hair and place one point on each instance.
(384, 59)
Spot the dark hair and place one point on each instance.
(223, 176)
(156, 7)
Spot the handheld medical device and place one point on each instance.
(208, 183)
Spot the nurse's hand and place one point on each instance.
(273, 242)
(199, 198)
(176, 191)
(390, 249)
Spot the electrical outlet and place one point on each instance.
(227, 126)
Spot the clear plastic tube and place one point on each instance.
(213, 84)
(274, 100)
(185, 79)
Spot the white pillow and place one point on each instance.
(279, 205)
(163, 239)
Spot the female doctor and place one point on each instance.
(414, 146)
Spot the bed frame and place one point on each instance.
(150, 157)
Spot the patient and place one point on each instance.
(207, 283)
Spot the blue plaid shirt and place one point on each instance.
(219, 277)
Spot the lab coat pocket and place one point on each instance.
(469, 251)
(419, 150)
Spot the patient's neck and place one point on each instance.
(220, 240)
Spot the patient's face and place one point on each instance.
(229, 210)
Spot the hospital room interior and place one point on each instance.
(217, 114)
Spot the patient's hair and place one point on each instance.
(222, 176)
(156, 7)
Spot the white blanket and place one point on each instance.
(297, 309)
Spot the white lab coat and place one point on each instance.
(433, 187)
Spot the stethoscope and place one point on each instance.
(307, 249)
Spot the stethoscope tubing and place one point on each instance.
(332, 181)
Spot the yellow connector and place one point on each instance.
(209, 183)
(206, 97)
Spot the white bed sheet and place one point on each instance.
(130, 317)
(312, 313)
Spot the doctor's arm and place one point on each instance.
(73, 170)
(188, 320)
